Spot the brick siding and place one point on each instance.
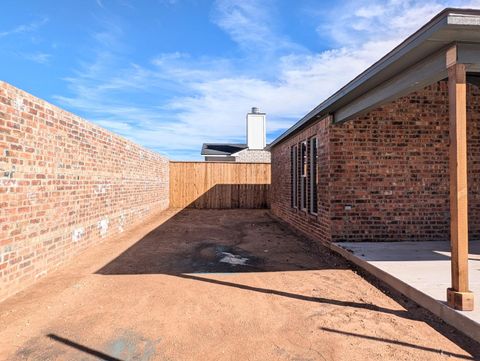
(65, 184)
(384, 175)
(319, 225)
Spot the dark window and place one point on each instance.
(294, 176)
(313, 181)
(299, 175)
(303, 175)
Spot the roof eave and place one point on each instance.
(445, 20)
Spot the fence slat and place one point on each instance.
(219, 185)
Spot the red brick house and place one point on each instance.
(374, 161)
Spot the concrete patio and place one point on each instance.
(421, 270)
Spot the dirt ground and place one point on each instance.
(217, 285)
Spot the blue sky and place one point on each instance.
(172, 74)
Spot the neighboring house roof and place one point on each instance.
(225, 148)
(412, 65)
(222, 148)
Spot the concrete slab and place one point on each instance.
(424, 267)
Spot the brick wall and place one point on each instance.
(319, 225)
(65, 184)
(386, 172)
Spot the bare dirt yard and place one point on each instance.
(217, 285)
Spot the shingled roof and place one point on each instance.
(222, 148)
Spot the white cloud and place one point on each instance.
(379, 19)
(39, 57)
(24, 28)
(174, 102)
(251, 24)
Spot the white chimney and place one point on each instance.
(256, 129)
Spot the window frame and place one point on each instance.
(313, 175)
(294, 176)
(304, 176)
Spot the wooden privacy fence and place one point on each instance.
(219, 185)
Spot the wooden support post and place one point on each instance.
(458, 296)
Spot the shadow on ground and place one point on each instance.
(220, 241)
(208, 247)
(195, 243)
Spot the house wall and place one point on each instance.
(387, 172)
(65, 185)
(319, 226)
(219, 159)
(253, 156)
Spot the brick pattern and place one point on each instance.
(253, 156)
(65, 184)
(319, 225)
(384, 175)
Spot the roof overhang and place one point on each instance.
(222, 149)
(417, 62)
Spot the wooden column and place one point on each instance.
(459, 295)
